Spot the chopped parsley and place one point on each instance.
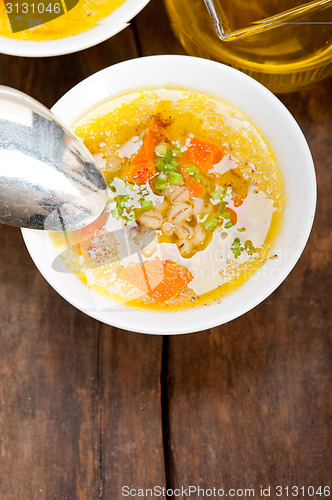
(237, 249)
(167, 167)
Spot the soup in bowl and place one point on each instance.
(42, 29)
(207, 211)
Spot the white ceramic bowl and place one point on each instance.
(276, 125)
(107, 27)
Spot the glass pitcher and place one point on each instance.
(285, 44)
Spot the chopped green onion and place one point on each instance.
(226, 215)
(160, 186)
(169, 167)
(146, 204)
(221, 208)
(168, 157)
(241, 229)
(124, 197)
(228, 224)
(160, 164)
(198, 176)
(161, 149)
(192, 170)
(176, 179)
(211, 223)
(176, 151)
(236, 248)
(117, 213)
(173, 163)
(160, 182)
(120, 208)
(218, 194)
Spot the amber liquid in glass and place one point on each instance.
(285, 44)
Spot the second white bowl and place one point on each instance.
(106, 28)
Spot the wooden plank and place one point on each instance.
(47, 79)
(130, 412)
(153, 31)
(80, 408)
(48, 430)
(249, 402)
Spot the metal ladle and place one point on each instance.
(48, 179)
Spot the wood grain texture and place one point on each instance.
(130, 410)
(48, 378)
(254, 396)
(47, 79)
(153, 31)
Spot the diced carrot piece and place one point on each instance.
(237, 200)
(233, 215)
(160, 280)
(176, 277)
(142, 168)
(196, 189)
(202, 154)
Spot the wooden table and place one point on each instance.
(86, 409)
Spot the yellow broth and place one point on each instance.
(202, 223)
(85, 15)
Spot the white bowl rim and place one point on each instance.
(201, 317)
(107, 27)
